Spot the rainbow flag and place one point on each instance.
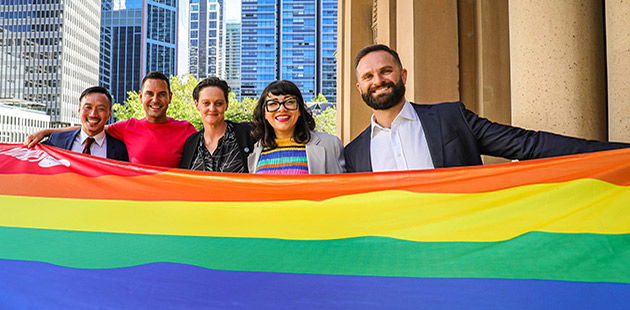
(78, 232)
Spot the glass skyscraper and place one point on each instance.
(137, 37)
(233, 57)
(49, 53)
(121, 48)
(207, 39)
(160, 52)
(292, 40)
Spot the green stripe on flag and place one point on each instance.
(535, 255)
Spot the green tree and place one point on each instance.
(320, 98)
(327, 121)
(240, 111)
(182, 107)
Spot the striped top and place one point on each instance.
(288, 158)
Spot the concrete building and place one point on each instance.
(19, 118)
(559, 66)
(290, 39)
(53, 47)
(207, 39)
(233, 57)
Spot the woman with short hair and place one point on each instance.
(221, 146)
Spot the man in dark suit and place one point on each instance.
(95, 107)
(407, 136)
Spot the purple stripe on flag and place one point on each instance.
(35, 285)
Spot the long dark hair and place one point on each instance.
(263, 131)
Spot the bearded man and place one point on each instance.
(407, 136)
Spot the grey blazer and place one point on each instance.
(324, 154)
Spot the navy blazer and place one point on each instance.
(116, 149)
(458, 137)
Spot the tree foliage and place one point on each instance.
(242, 111)
(327, 121)
(320, 98)
(182, 106)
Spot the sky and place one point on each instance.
(232, 10)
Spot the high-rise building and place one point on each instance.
(137, 37)
(183, 36)
(207, 39)
(292, 40)
(49, 53)
(121, 48)
(233, 57)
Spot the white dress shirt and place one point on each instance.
(401, 147)
(98, 148)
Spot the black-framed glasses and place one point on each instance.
(273, 106)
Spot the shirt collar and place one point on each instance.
(98, 139)
(406, 113)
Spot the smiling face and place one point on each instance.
(381, 81)
(155, 97)
(283, 120)
(94, 112)
(212, 106)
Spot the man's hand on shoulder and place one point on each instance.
(36, 137)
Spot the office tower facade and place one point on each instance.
(289, 39)
(137, 37)
(233, 57)
(207, 39)
(49, 53)
(121, 48)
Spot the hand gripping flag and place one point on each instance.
(79, 232)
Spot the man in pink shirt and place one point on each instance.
(156, 140)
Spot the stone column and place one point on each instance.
(354, 33)
(558, 73)
(385, 23)
(427, 42)
(618, 60)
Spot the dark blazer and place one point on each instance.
(458, 137)
(245, 141)
(116, 149)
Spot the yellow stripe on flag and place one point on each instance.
(581, 206)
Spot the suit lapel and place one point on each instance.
(364, 154)
(432, 131)
(315, 155)
(110, 150)
(69, 142)
(187, 157)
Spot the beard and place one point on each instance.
(385, 102)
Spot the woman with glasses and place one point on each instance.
(287, 144)
(221, 146)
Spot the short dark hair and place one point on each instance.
(212, 81)
(262, 129)
(99, 90)
(374, 48)
(156, 75)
